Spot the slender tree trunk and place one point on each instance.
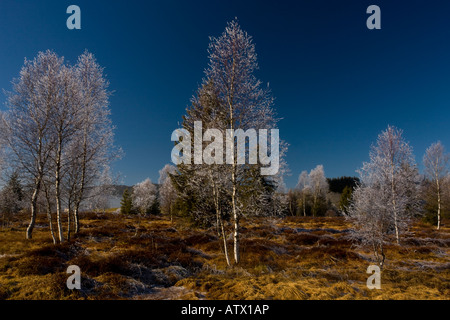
(69, 222)
(76, 219)
(34, 197)
(33, 215)
(439, 203)
(235, 215)
(220, 226)
(59, 213)
(79, 197)
(304, 204)
(225, 247)
(49, 215)
(37, 187)
(82, 183)
(236, 226)
(139, 224)
(394, 206)
(379, 256)
(233, 172)
(58, 193)
(397, 237)
(315, 204)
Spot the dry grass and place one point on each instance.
(291, 258)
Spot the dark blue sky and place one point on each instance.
(337, 84)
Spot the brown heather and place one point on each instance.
(290, 258)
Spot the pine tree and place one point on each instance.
(11, 197)
(346, 196)
(126, 203)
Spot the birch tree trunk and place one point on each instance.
(225, 247)
(394, 205)
(439, 203)
(49, 214)
(34, 197)
(82, 183)
(436, 163)
(58, 192)
(37, 187)
(304, 204)
(69, 221)
(219, 220)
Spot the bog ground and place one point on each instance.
(282, 258)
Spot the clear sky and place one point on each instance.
(337, 84)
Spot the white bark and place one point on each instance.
(387, 196)
(167, 192)
(55, 113)
(318, 185)
(436, 163)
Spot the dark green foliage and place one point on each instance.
(293, 201)
(320, 208)
(345, 198)
(304, 205)
(11, 197)
(430, 204)
(126, 204)
(154, 208)
(338, 184)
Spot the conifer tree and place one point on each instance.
(126, 203)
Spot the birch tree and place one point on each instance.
(319, 186)
(371, 220)
(293, 201)
(242, 99)
(167, 192)
(49, 196)
(303, 185)
(27, 122)
(94, 147)
(386, 198)
(393, 162)
(143, 195)
(436, 162)
(64, 123)
(3, 142)
(58, 132)
(206, 187)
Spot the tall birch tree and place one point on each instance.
(303, 185)
(436, 162)
(318, 185)
(94, 147)
(167, 192)
(58, 132)
(242, 100)
(386, 198)
(27, 122)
